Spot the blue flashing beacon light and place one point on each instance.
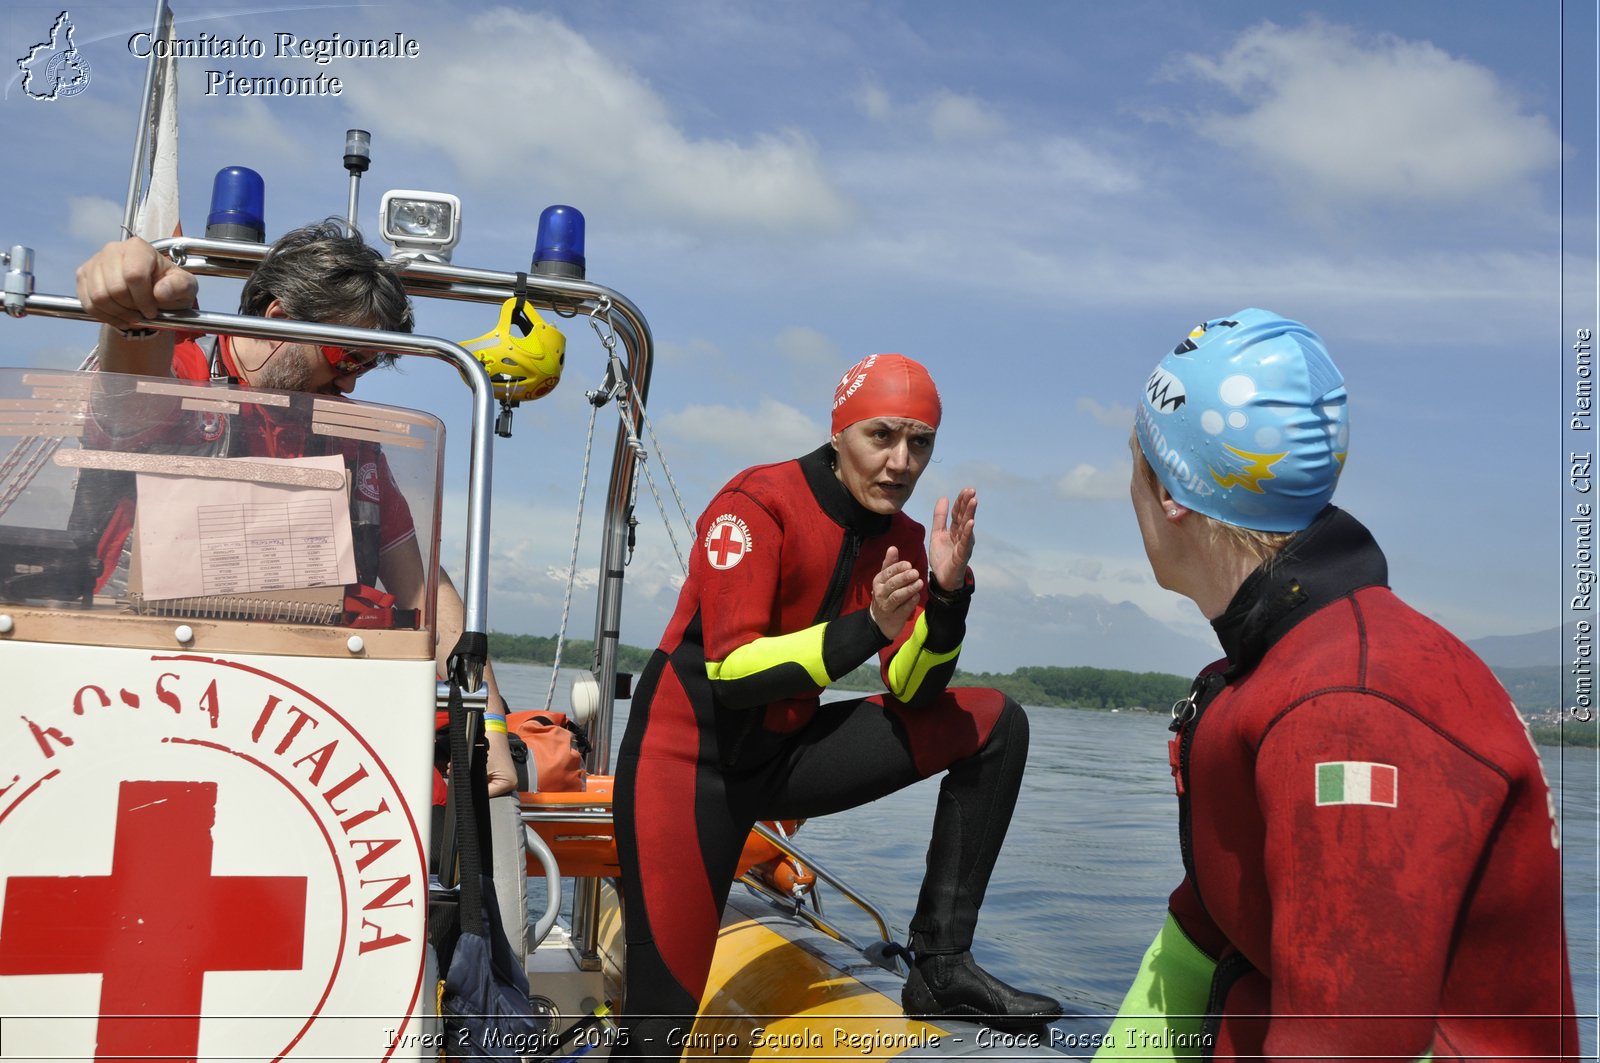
(558, 248)
(238, 206)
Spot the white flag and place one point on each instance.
(158, 216)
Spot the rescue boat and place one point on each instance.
(216, 777)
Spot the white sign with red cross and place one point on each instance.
(211, 858)
(727, 541)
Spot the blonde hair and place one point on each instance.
(1260, 546)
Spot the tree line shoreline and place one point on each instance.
(1536, 690)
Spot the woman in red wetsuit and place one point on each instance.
(1372, 864)
(802, 571)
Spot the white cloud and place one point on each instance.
(1089, 216)
(245, 124)
(773, 431)
(809, 350)
(1014, 203)
(93, 219)
(529, 554)
(1087, 568)
(952, 116)
(694, 354)
(584, 579)
(874, 102)
(1046, 171)
(550, 108)
(1066, 165)
(1116, 415)
(1087, 482)
(1380, 119)
(1400, 294)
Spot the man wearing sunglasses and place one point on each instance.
(318, 273)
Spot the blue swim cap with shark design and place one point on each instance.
(1245, 421)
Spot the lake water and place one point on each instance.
(1081, 886)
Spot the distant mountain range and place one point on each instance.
(1069, 630)
(1533, 650)
(1066, 631)
(1010, 631)
(1531, 667)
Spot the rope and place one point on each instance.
(572, 562)
(617, 386)
(677, 496)
(625, 404)
(628, 400)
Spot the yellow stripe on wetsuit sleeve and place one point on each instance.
(800, 647)
(911, 665)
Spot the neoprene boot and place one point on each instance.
(954, 986)
(976, 799)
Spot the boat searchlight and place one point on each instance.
(420, 225)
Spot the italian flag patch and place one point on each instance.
(1357, 782)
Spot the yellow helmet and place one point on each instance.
(523, 353)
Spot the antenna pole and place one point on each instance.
(357, 157)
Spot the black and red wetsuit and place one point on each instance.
(726, 727)
(1373, 866)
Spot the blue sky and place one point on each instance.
(1035, 199)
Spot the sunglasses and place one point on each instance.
(346, 362)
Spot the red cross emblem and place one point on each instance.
(727, 542)
(154, 927)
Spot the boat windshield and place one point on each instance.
(218, 507)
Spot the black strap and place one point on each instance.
(578, 737)
(518, 318)
(469, 795)
(469, 657)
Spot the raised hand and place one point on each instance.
(950, 544)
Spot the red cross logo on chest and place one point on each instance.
(155, 925)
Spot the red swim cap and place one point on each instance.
(885, 385)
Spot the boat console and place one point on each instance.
(135, 507)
